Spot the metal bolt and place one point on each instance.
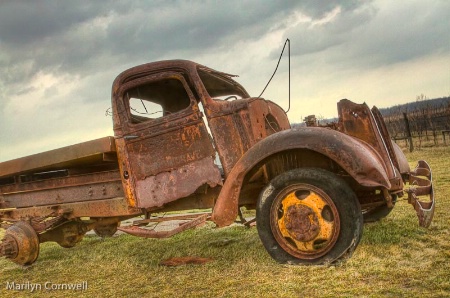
(8, 248)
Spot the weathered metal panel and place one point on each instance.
(357, 158)
(279, 115)
(237, 126)
(385, 137)
(228, 141)
(100, 208)
(266, 118)
(86, 153)
(357, 120)
(149, 156)
(88, 187)
(168, 186)
(157, 152)
(127, 179)
(201, 199)
(401, 159)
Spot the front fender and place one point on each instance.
(401, 158)
(356, 157)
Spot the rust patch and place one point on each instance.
(168, 186)
(355, 157)
(21, 244)
(82, 154)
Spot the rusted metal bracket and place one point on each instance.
(421, 184)
(168, 218)
(53, 219)
(140, 232)
(248, 223)
(388, 198)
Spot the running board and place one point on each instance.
(146, 233)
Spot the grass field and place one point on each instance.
(395, 258)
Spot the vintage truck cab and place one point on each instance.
(189, 137)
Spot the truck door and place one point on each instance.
(164, 149)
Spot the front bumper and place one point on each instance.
(421, 185)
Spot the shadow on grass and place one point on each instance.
(390, 231)
(227, 245)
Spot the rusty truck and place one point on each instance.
(190, 137)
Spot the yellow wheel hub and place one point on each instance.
(306, 221)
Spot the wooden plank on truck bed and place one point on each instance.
(86, 153)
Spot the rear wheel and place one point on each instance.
(20, 244)
(308, 216)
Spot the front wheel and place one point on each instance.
(308, 216)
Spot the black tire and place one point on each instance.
(309, 216)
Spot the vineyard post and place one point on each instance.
(408, 132)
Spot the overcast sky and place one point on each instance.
(58, 58)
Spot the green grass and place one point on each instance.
(395, 258)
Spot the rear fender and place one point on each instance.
(357, 158)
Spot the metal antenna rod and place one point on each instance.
(288, 42)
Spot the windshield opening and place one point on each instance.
(220, 86)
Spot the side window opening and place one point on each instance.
(143, 110)
(156, 99)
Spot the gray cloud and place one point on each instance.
(24, 23)
(409, 32)
(85, 44)
(371, 35)
(81, 36)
